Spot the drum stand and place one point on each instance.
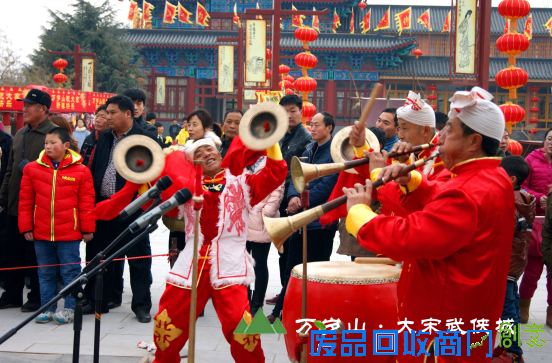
(305, 205)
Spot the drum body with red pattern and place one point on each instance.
(347, 291)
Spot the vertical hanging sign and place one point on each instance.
(87, 77)
(225, 68)
(464, 57)
(255, 51)
(160, 90)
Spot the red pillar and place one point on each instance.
(190, 95)
(485, 43)
(19, 119)
(329, 97)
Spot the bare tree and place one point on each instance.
(10, 63)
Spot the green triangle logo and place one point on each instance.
(260, 325)
(278, 327)
(241, 327)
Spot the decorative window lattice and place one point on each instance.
(192, 58)
(331, 61)
(356, 61)
(172, 57)
(152, 57)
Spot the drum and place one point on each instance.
(365, 295)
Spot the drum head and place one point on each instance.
(342, 151)
(347, 273)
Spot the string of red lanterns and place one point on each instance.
(60, 78)
(512, 44)
(432, 97)
(534, 110)
(306, 60)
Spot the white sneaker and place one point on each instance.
(64, 316)
(44, 317)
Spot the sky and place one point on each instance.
(23, 26)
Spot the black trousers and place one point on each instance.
(140, 269)
(319, 248)
(259, 251)
(282, 261)
(14, 248)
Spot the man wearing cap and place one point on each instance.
(456, 247)
(225, 269)
(27, 145)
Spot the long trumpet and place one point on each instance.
(304, 173)
(280, 229)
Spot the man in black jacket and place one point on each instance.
(107, 182)
(230, 128)
(5, 145)
(294, 143)
(138, 97)
(100, 124)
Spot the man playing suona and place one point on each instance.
(225, 269)
(456, 247)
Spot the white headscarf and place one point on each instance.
(475, 109)
(416, 111)
(210, 139)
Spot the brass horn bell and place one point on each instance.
(139, 159)
(303, 173)
(263, 125)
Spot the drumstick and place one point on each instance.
(371, 102)
(375, 261)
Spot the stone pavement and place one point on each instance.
(120, 330)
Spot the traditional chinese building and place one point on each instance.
(186, 55)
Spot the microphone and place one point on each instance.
(153, 193)
(180, 197)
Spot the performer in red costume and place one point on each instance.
(456, 248)
(224, 268)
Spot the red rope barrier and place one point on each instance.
(78, 263)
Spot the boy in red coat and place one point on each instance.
(56, 195)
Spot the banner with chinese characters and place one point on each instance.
(255, 51)
(95, 100)
(9, 96)
(226, 68)
(160, 90)
(87, 75)
(464, 58)
(67, 101)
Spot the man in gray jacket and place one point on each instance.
(26, 147)
(294, 143)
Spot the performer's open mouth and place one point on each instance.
(210, 161)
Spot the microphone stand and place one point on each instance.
(98, 285)
(75, 288)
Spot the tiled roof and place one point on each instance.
(438, 67)
(202, 38)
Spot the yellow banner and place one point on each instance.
(255, 50)
(87, 76)
(160, 90)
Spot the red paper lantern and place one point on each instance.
(534, 89)
(268, 55)
(290, 79)
(533, 131)
(533, 120)
(534, 109)
(309, 109)
(362, 5)
(515, 147)
(306, 60)
(417, 53)
(60, 78)
(287, 84)
(534, 99)
(305, 84)
(306, 34)
(511, 78)
(268, 74)
(434, 107)
(512, 44)
(432, 88)
(432, 97)
(283, 69)
(512, 114)
(289, 91)
(60, 64)
(514, 9)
